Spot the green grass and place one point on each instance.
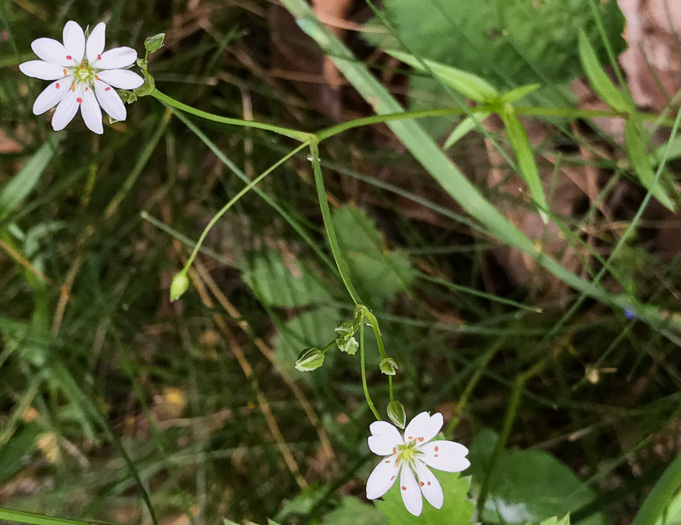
(119, 406)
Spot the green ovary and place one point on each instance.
(407, 452)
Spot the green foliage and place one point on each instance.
(565, 520)
(351, 511)
(516, 41)
(378, 273)
(282, 283)
(662, 506)
(526, 485)
(456, 509)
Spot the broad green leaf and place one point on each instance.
(17, 189)
(655, 506)
(278, 282)
(526, 163)
(469, 85)
(526, 485)
(642, 167)
(456, 509)
(378, 273)
(351, 511)
(515, 41)
(464, 127)
(310, 329)
(516, 94)
(606, 90)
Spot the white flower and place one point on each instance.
(84, 76)
(409, 456)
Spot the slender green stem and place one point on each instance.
(362, 364)
(234, 199)
(292, 133)
(328, 224)
(379, 340)
(18, 516)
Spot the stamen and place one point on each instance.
(57, 85)
(435, 455)
(99, 57)
(69, 57)
(107, 89)
(393, 478)
(410, 438)
(404, 488)
(421, 483)
(73, 87)
(437, 448)
(420, 439)
(65, 72)
(429, 483)
(79, 100)
(96, 77)
(387, 461)
(394, 448)
(86, 89)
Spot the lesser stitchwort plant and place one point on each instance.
(409, 456)
(84, 76)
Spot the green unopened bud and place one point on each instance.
(349, 345)
(309, 359)
(397, 414)
(179, 285)
(345, 329)
(388, 366)
(154, 43)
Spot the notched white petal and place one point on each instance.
(384, 439)
(110, 101)
(430, 486)
(92, 114)
(51, 96)
(445, 455)
(121, 78)
(411, 494)
(382, 478)
(423, 427)
(74, 40)
(117, 58)
(51, 51)
(66, 110)
(95, 43)
(42, 70)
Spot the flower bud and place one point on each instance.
(179, 285)
(345, 329)
(309, 359)
(397, 414)
(348, 344)
(388, 366)
(154, 43)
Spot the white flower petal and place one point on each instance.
(95, 43)
(382, 477)
(423, 427)
(384, 438)
(121, 78)
(110, 101)
(74, 40)
(429, 484)
(66, 109)
(117, 58)
(52, 51)
(92, 114)
(411, 494)
(445, 455)
(52, 95)
(42, 70)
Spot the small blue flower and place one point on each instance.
(629, 312)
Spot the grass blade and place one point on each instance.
(599, 80)
(655, 504)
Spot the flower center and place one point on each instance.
(84, 73)
(407, 452)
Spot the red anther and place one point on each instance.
(79, 100)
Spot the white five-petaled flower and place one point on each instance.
(409, 457)
(84, 76)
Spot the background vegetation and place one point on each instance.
(114, 400)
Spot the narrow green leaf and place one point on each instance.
(656, 503)
(469, 85)
(465, 127)
(526, 163)
(18, 516)
(599, 80)
(518, 93)
(641, 163)
(17, 189)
